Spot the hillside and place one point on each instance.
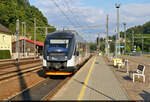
(141, 29)
(11, 10)
(135, 32)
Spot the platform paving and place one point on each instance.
(95, 81)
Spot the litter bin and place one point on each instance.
(117, 60)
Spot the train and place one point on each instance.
(64, 51)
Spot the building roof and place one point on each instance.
(4, 29)
(31, 41)
(37, 42)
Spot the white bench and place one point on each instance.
(139, 72)
(123, 64)
(110, 59)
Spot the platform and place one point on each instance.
(95, 81)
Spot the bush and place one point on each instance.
(138, 49)
(5, 54)
(149, 49)
(128, 49)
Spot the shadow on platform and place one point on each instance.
(121, 71)
(96, 62)
(94, 89)
(145, 95)
(127, 78)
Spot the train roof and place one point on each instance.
(67, 34)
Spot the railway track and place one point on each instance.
(45, 89)
(9, 69)
(42, 90)
(14, 60)
(144, 61)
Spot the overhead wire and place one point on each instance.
(71, 12)
(71, 1)
(68, 19)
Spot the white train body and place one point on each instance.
(64, 51)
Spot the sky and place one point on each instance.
(92, 13)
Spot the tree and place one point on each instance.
(128, 49)
(11, 10)
(93, 46)
(138, 49)
(149, 49)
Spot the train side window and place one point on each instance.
(76, 52)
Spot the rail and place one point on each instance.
(49, 87)
(9, 69)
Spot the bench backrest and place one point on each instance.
(141, 68)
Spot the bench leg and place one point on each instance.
(143, 78)
(133, 77)
(138, 76)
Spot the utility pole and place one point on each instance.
(107, 39)
(34, 38)
(99, 41)
(17, 40)
(142, 43)
(124, 37)
(116, 50)
(24, 38)
(132, 40)
(23, 35)
(118, 29)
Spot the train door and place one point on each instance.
(76, 53)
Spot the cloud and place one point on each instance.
(84, 15)
(133, 14)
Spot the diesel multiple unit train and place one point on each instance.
(63, 52)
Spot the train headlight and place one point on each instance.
(65, 57)
(47, 57)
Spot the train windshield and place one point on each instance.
(63, 43)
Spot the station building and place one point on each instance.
(26, 48)
(5, 39)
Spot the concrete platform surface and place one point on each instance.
(95, 81)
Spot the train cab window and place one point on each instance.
(59, 43)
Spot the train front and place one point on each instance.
(58, 56)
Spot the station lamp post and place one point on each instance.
(23, 35)
(17, 40)
(118, 31)
(34, 38)
(124, 37)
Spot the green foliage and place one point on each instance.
(128, 49)
(11, 10)
(139, 31)
(93, 46)
(5, 54)
(102, 45)
(149, 49)
(144, 29)
(138, 49)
